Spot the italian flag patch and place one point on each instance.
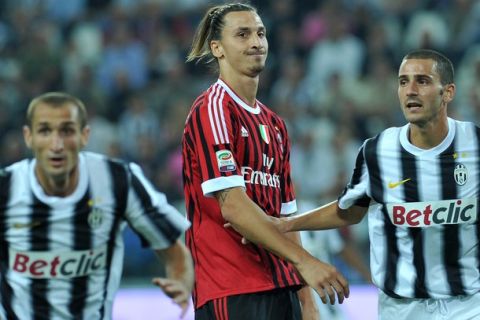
(264, 133)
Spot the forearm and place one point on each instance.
(305, 295)
(251, 222)
(329, 216)
(178, 263)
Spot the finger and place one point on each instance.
(184, 306)
(321, 294)
(345, 286)
(330, 293)
(227, 225)
(339, 289)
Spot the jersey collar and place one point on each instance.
(73, 198)
(433, 151)
(238, 100)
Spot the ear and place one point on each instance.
(27, 136)
(216, 48)
(448, 93)
(84, 136)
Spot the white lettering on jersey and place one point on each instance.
(430, 213)
(259, 177)
(267, 161)
(58, 265)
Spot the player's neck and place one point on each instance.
(245, 87)
(61, 186)
(428, 136)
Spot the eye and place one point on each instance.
(43, 131)
(67, 131)
(261, 34)
(402, 82)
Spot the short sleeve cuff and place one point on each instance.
(289, 207)
(209, 187)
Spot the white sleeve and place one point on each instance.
(356, 192)
(149, 213)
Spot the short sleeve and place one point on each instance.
(149, 213)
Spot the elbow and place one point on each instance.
(356, 214)
(230, 212)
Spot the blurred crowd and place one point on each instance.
(331, 74)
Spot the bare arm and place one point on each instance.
(250, 221)
(305, 295)
(179, 279)
(329, 216)
(354, 260)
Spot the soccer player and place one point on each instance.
(420, 186)
(61, 220)
(236, 170)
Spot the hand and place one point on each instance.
(324, 279)
(176, 290)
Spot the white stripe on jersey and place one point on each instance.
(216, 106)
(222, 117)
(210, 113)
(394, 152)
(60, 226)
(215, 113)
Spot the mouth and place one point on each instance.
(413, 105)
(57, 161)
(256, 53)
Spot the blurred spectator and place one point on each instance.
(137, 123)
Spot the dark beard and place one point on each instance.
(256, 70)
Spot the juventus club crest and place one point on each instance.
(460, 173)
(95, 218)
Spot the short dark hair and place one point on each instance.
(57, 99)
(444, 66)
(210, 28)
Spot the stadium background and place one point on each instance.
(331, 73)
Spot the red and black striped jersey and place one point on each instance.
(227, 143)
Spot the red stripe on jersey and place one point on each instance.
(225, 309)
(223, 266)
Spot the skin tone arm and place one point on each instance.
(353, 259)
(179, 279)
(305, 295)
(329, 216)
(251, 222)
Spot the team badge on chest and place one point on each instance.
(461, 174)
(95, 218)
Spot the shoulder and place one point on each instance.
(210, 102)
(16, 167)
(466, 127)
(98, 160)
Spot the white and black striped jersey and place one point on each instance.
(422, 214)
(61, 257)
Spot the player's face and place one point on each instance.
(243, 48)
(56, 138)
(421, 94)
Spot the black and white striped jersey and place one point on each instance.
(422, 213)
(61, 258)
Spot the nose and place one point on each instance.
(57, 142)
(412, 89)
(256, 41)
